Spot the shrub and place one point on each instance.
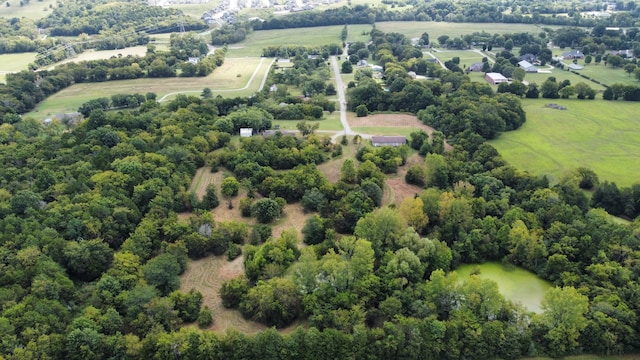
(233, 252)
(245, 207)
(205, 318)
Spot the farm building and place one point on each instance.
(573, 54)
(527, 67)
(246, 132)
(388, 140)
(495, 78)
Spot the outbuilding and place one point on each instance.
(495, 78)
(527, 66)
(388, 141)
(246, 132)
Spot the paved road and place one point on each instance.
(255, 73)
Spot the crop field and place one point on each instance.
(598, 134)
(517, 285)
(258, 40)
(413, 29)
(34, 10)
(234, 78)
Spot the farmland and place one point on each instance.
(234, 78)
(597, 134)
(33, 10)
(413, 29)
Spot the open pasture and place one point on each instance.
(258, 40)
(518, 285)
(466, 57)
(236, 77)
(107, 54)
(607, 74)
(597, 134)
(16, 62)
(34, 10)
(414, 29)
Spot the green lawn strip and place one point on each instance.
(331, 122)
(33, 10)
(607, 74)
(381, 130)
(258, 40)
(16, 62)
(467, 57)
(517, 284)
(598, 134)
(413, 29)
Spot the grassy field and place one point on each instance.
(466, 57)
(107, 54)
(16, 62)
(258, 40)
(607, 74)
(598, 134)
(232, 78)
(34, 10)
(330, 123)
(413, 29)
(517, 285)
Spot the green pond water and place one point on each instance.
(516, 284)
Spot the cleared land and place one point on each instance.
(598, 134)
(466, 57)
(33, 10)
(232, 78)
(14, 62)
(413, 29)
(517, 285)
(106, 54)
(258, 40)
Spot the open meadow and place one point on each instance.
(33, 10)
(597, 134)
(414, 29)
(236, 77)
(14, 62)
(313, 36)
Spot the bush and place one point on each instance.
(260, 234)
(233, 252)
(266, 210)
(233, 291)
(245, 207)
(416, 175)
(205, 318)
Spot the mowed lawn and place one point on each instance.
(16, 62)
(313, 36)
(34, 10)
(466, 57)
(231, 79)
(414, 29)
(598, 134)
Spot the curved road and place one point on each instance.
(255, 73)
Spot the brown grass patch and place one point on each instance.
(204, 177)
(397, 188)
(331, 168)
(207, 275)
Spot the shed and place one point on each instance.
(527, 66)
(246, 132)
(388, 140)
(495, 78)
(377, 68)
(575, 67)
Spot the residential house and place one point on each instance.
(495, 78)
(476, 67)
(528, 57)
(388, 141)
(573, 54)
(527, 67)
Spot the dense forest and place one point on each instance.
(91, 247)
